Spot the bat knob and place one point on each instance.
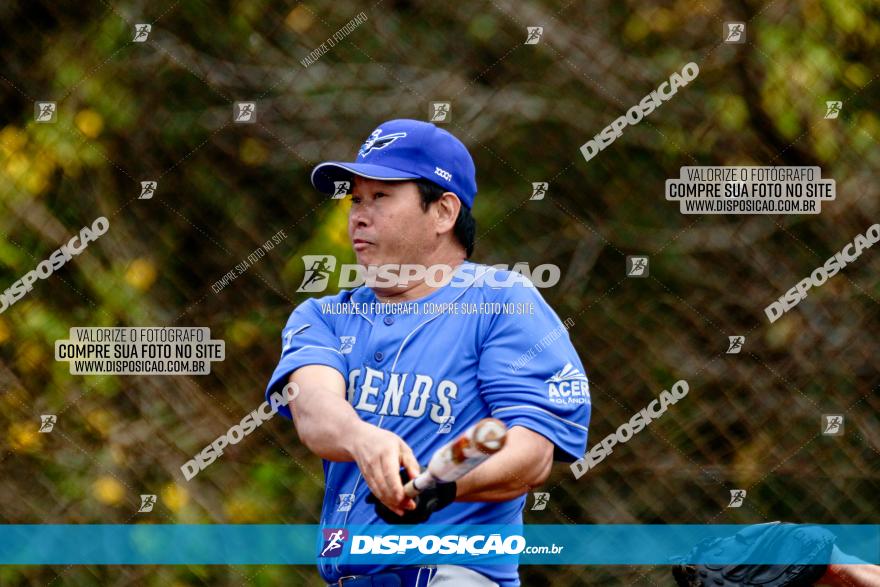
(489, 435)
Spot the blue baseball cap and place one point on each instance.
(405, 149)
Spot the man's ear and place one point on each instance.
(446, 211)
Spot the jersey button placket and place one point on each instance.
(379, 355)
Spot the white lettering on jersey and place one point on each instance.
(394, 394)
(445, 387)
(418, 397)
(382, 393)
(352, 377)
(568, 386)
(367, 390)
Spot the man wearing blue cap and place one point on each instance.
(381, 390)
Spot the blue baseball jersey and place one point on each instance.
(429, 369)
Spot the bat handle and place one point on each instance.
(415, 486)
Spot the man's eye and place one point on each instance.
(355, 199)
(381, 195)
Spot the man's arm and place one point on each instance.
(522, 399)
(848, 571)
(523, 464)
(329, 427)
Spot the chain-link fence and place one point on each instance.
(160, 109)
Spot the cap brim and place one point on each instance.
(325, 174)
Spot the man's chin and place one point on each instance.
(388, 292)
(368, 260)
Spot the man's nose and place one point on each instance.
(360, 216)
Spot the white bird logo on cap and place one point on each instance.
(376, 142)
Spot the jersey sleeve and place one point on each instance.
(530, 375)
(307, 339)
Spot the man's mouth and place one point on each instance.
(360, 244)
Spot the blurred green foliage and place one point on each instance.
(161, 110)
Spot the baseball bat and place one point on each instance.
(454, 459)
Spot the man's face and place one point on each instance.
(386, 223)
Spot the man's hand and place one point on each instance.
(379, 454)
(329, 427)
(427, 502)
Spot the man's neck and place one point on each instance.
(418, 290)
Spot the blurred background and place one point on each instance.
(161, 110)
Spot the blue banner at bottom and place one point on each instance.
(157, 544)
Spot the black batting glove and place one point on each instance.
(427, 502)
